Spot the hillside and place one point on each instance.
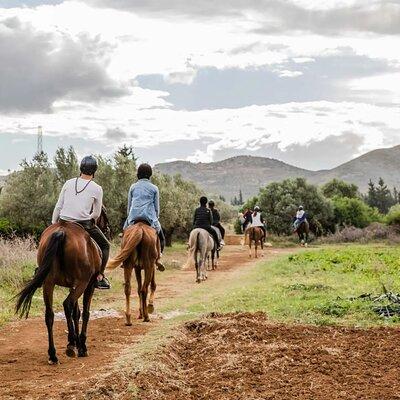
(249, 173)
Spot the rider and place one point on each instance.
(217, 220)
(301, 216)
(247, 218)
(258, 220)
(144, 205)
(80, 201)
(203, 219)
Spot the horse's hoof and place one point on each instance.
(150, 308)
(83, 353)
(128, 323)
(146, 319)
(70, 352)
(53, 362)
(198, 280)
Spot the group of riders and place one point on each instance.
(254, 218)
(81, 200)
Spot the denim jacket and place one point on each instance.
(143, 204)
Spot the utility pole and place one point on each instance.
(40, 140)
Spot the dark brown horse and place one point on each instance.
(256, 235)
(303, 231)
(140, 249)
(103, 223)
(67, 257)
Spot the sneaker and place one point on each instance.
(102, 283)
(222, 242)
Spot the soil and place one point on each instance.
(24, 372)
(245, 356)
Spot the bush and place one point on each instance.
(354, 212)
(393, 216)
(6, 228)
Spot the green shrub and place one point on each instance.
(6, 228)
(393, 216)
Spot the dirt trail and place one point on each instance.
(24, 373)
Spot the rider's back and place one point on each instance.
(202, 217)
(80, 200)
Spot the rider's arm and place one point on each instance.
(58, 207)
(97, 204)
(210, 217)
(157, 202)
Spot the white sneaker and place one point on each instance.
(222, 242)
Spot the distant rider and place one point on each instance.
(80, 201)
(203, 219)
(247, 218)
(258, 220)
(217, 220)
(144, 205)
(301, 216)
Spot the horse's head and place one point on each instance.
(103, 223)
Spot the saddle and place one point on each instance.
(143, 221)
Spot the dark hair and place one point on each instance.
(144, 171)
(211, 203)
(88, 165)
(203, 200)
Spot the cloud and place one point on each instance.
(276, 16)
(115, 134)
(326, 77)
(38, 68)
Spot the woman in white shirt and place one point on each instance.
(258, 220)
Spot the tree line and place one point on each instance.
(30, 194)
(330, 207)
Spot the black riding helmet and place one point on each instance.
(144, 171)
(203, 200)
(88, 165)
(211, 203)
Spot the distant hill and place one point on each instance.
(249, 173)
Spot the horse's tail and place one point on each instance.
(133, 238)
(53, 250)
(194, 243)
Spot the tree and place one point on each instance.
(354, 212)
(240, 199)
(339, 188)
(380, 196)
(280, 200)
(29, 195)
(66, 164)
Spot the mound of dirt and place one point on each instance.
(244, 356)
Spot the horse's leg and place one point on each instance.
(69, 304)
(148, 271)
(138, 274)
(127, 290)
(153, 287)
(76, 315)
(249, 246)
(49, 318)
(255, 248)
(87, 299)
(196, 262)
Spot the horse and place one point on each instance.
(103, 223)
(140, 249)
(201, 244)
(303, 231)
(256, 235)
(68, 257)
(214, 252)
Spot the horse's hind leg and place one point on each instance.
(76, 315)
(127, 290)
(153, 287)
(138, 274)
(69, 305)
(87, 299)
(143, 293)
(49, 318)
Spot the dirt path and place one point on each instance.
(24, 373)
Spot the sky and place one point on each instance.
(313, 83)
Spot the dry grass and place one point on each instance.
(17, 258)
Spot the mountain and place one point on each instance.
(249, 173)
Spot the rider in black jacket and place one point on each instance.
(203, 219)
(217, 219)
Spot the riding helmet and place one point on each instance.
(211, 203)
(203, 200)
(88, 165)
(301, 207)
(144, 171)
(256, 208)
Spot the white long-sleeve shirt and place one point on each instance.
(83, 206)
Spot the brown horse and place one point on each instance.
(67, 257)
(140, 249)
(303, 231)
(103, 223)
(256, 235)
